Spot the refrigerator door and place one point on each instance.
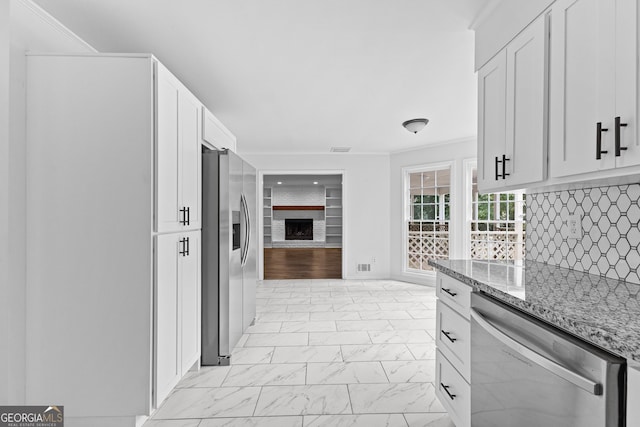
(215, 229)
(250, 268)
(221, 242)
(231, 324)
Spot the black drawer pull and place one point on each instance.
(599, 150)
(618, 125)
(504, 166)
(183, 211)
(497, 162)
(446, 390)
(188, 216)
(185, 248)
(453, 294)
(446, 334)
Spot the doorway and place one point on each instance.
(302, 226)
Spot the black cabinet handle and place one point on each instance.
(185, 248)
(504, 165)
(446, 334)
(617, 135)
(188, 215)
(599, 150)
(183, 211)
(453, 294)
(446, 390)
(497, 174)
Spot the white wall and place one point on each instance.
(365, 202)
(455, 152)
(29, 28)
(5, 344)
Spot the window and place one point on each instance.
(429, 217)
(497, 224)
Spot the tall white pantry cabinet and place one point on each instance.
(113, 235)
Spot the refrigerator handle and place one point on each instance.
(247, 228)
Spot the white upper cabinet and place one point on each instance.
(214, 134)
(511, 112)
(178, 165)
(491, 122)
(593, 86)
(189, 158)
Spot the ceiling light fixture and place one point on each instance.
(279, 182)
(315, 182)
(415, 125)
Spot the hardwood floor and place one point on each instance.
(302, 263)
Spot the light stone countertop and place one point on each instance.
(599, 310)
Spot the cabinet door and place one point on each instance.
(215, 134)
(168, 213)
(491, 122)
(526, 133)
(189, 290)
(582, 86)
(189, 161)
(167, 357)
(626, 36)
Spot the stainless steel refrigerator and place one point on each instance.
(229, 253)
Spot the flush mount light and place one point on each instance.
(415, 125)
(279, 182)
(315, 182)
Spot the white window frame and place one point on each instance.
(407, 214)
(469, 165)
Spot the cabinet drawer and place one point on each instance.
(453, 391)
(454, 293)
(453, 338)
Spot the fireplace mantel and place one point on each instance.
(298, 208)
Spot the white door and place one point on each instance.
(168, 213)
(167, 358)
(526, 132)
(189, 265)
(491, 122)
(582, 86)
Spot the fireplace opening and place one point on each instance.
(298, 229)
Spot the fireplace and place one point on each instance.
(298, 229)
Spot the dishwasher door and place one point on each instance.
(527, 373)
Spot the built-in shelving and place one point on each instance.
(333, 217)
(267, 206)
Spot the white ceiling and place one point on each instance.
(305, 75)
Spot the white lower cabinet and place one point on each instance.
(453, 338)
(453, 391)
(453, 355)
(177, 313)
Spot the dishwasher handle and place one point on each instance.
(540, 360)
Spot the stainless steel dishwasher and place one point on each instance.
(527, 373)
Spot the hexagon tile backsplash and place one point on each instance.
(610, 239)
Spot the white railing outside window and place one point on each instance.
(497, 224)
(429, 217)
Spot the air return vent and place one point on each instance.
(364, 267)
(340, 149)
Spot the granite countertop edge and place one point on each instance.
(609, 340)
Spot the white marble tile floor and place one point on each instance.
(322, 353)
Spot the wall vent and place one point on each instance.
(340, 149)
(364, 267)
